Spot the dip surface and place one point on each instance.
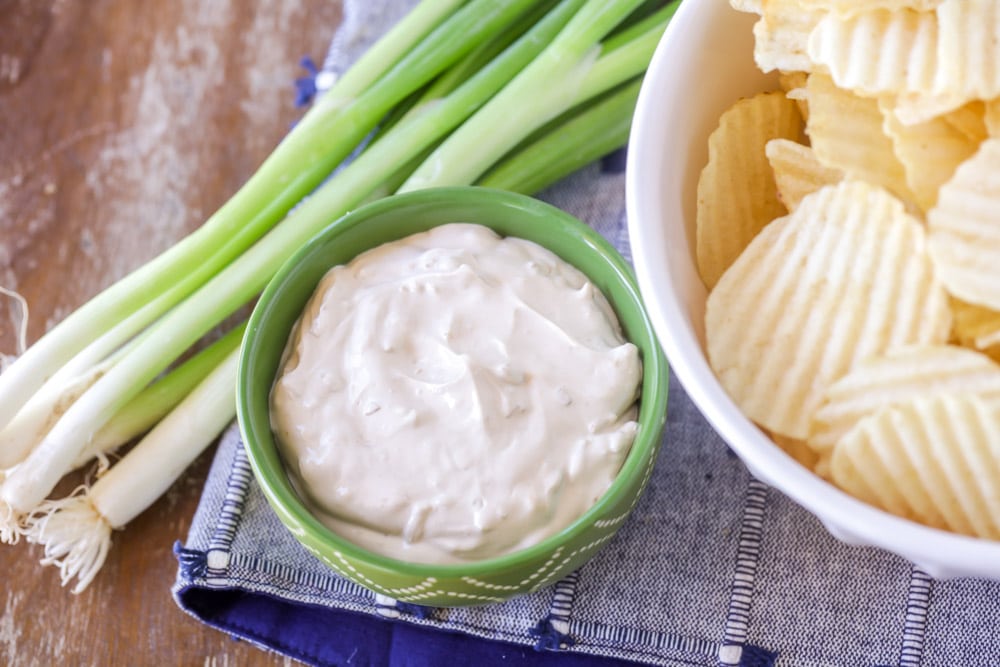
(455, 396)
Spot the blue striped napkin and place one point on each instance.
(713, 568)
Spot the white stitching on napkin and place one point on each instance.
(918, 598)
(218, 552)
(747, 555)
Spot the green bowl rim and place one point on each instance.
(652, 409)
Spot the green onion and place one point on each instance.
(555, 149)
(158, 399)
(326, 136)
(45, 407)
(545, 160)
(76, 531)
(544, 89)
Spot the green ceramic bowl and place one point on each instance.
(394, 218)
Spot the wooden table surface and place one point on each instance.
(122, 126)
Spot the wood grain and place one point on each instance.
(122, 125)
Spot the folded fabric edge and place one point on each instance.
(321, 636)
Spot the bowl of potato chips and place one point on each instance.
(813, 193)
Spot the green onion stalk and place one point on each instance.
(510, 94)
(326, 135)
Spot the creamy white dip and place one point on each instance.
(455, 396)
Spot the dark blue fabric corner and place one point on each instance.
(192, 563)
(754, 656)
(331, 638)
(548, 638)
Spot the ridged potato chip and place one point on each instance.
(933, 460)
(970, 120)
(736, 191)
(976, 327)
(797, 449)
(991, 117)
(880, 51)
(953, 51)
(897, 376)
(748, 6)
(849, 7)
(844, 277)
(782, 36)
(930, 152)
(846, 132)
(865, 343)
(914, 108)
(964, 229)
(794, 85)
(969, 48)
(790, 81)
(797, 172)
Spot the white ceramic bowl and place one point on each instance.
(703, 65)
